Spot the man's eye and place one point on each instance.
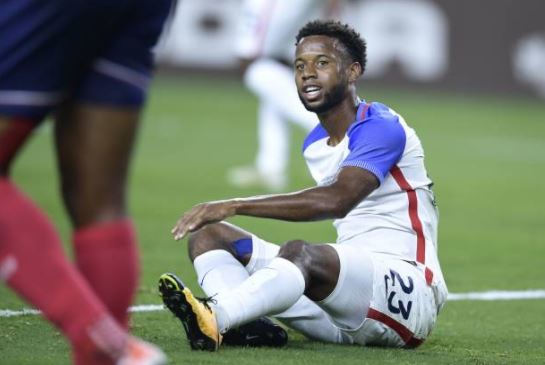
(299, 67)
(323, 63)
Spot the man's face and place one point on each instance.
(320, 75)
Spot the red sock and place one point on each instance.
(33, 263)
(107, 255)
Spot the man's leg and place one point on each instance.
(273, 144)
(324, 273)
(219, 253)
(220, 250)
(33, 263)
(303, 314)
(94, 146)
(271, 161)
(299, 269)
(273, 84)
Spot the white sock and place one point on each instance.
(218, 271)
(273, 143)
(308, 318)
(270, 290)
(274, 84)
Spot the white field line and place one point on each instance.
(28, 311)
(492, 295)
(498, 295)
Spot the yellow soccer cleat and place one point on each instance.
(198, 319)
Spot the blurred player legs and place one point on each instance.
(90, 63)
(93, 179)
(279, 104)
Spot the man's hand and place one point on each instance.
(201, 215)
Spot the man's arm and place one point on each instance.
(352, 185)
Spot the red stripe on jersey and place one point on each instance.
(413, 213)
(406, 335)
(429, 275)
(364, 111)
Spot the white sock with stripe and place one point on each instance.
(218, 271)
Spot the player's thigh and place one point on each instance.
(349, 301)
(402, 311)
(96, 128)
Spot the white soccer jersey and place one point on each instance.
(399, 218)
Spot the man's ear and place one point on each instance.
(354, 71)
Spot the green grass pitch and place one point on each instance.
(486, 155)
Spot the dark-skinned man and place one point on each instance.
(381, 282)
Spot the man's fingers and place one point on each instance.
(179, 230)
(190, 222)
(183, 228)
(180, 234)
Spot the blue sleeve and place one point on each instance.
(376, 144)
(316, 134)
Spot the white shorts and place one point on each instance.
(268, 27)
(402, 311)
(378, 300)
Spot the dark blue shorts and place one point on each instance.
(97, 51)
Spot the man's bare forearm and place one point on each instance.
(306, 205)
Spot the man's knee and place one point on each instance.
(293, 250)
(208, 238)
(298, 252)
(319, 265)
(87, 205)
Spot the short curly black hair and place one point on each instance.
(350, 39)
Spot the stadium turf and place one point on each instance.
(486, 155)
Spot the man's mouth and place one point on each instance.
(311, 91)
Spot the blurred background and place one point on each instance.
(458, 45)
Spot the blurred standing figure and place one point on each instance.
(265, 45)
(88, 63)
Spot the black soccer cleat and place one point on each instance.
(197, 317)
(260, 333)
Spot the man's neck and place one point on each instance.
(338, 119)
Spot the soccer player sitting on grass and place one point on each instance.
(381, 282)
